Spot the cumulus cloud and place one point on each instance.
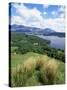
(30, 16)
(56, 24)
(61, 10)
(24, 11)
(45, 6)
(62, 15)
(16, 20)
(33, 17)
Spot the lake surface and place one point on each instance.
(56, 42)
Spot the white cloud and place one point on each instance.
(61, 9)
(55, 24)
(62, 15)
(45, 6)
(16, 20)
(24, 11)
(32, 17)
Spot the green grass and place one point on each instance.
(33, 69)
(20, 58)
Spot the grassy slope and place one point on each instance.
(19, 59)
(34, 73)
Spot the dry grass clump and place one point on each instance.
(43, 70)
(29, 64)
(23, 72)
(40, 63)
(49, 72)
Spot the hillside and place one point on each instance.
(36, 64)
(23, 43)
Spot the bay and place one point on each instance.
(56, 42)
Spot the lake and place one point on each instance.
(56, 42)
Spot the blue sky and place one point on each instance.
(38, 15)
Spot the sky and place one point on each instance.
(38, 15)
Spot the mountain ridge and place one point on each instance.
(35, 30)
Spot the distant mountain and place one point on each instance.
(21, 28)
(59, 34)
(46, 31)
(34, 30)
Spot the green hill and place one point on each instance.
(36, 69)
(33, 62)
(22, 43)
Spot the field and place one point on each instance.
(19, 58)
(34, 63)
(17, 62)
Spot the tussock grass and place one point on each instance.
(37, 71)
(49, 72)
(23, 72)
(40, 62)
(29, 64)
